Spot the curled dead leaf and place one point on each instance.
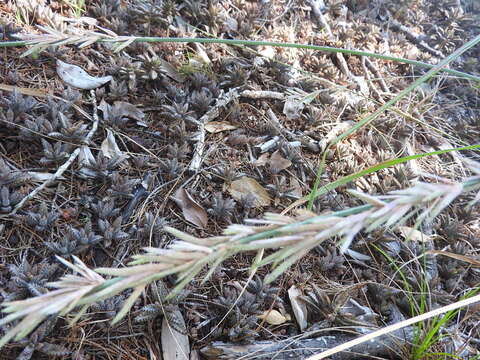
(191, 210)
(411, 234)
(76, 77)
(262, 160)
(278, 162)
(110, 148)
(298, 306)
(274, 317)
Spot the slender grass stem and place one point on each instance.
(328, 49)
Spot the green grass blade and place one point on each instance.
(408, 89)
(276, 44)
(383, 165)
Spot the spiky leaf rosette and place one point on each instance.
(188, 255)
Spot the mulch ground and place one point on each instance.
(147, 161)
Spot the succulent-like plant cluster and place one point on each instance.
(28, 280)
(161, 307)
(235, 315)
(222, 208)
(41, 219)
(75, 240)
(36, 342)
(246, 113)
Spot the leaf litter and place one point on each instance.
(110, 222)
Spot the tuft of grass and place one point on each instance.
(321, 190)
(428, 333)
(365, 121)
(78, 6)
(433, 331)
(186, 257)
(398, 270)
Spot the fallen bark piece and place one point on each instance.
(388, 346)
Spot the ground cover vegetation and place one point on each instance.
(239, 179)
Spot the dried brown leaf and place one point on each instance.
(219, 126)
(278, 162)
(192, 211)
(273, 317)
(298, 306)
(110, 148)
(262, 160)
(411, 234)
(245, 186)
(293, 108)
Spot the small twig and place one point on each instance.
(262, 94)
(322, 21)
(305, 140)
(199, 147)
(369, 80)
(213, 113)
(67, 164)
(378, 76)
(417, 40)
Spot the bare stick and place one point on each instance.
(199, 147)
(209, 116)
(263, 94)
(305, 140)
(416, 39)
(369, 80)
(67, 164)
(377, 74)
(322, 21)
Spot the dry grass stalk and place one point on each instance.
(188, 255)
(70, 290)
(394, 327)
(83, 38)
